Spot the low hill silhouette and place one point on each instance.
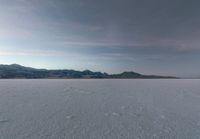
(18, 71)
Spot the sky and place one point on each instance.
(146, 36)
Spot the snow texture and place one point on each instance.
(100, 109)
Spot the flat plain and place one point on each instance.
(100, 109)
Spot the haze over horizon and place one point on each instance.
(150, 37)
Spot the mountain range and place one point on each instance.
(18, 71)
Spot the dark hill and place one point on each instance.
(18, 71)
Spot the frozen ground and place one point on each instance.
(100, 109)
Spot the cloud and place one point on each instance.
(30, 53)
(106, 32)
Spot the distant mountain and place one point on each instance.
(18, 71)
(127, 75)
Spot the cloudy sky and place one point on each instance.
(146, 36)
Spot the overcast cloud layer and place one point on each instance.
(148, 36)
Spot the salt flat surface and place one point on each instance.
(100, 109)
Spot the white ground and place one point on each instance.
(100, 109)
